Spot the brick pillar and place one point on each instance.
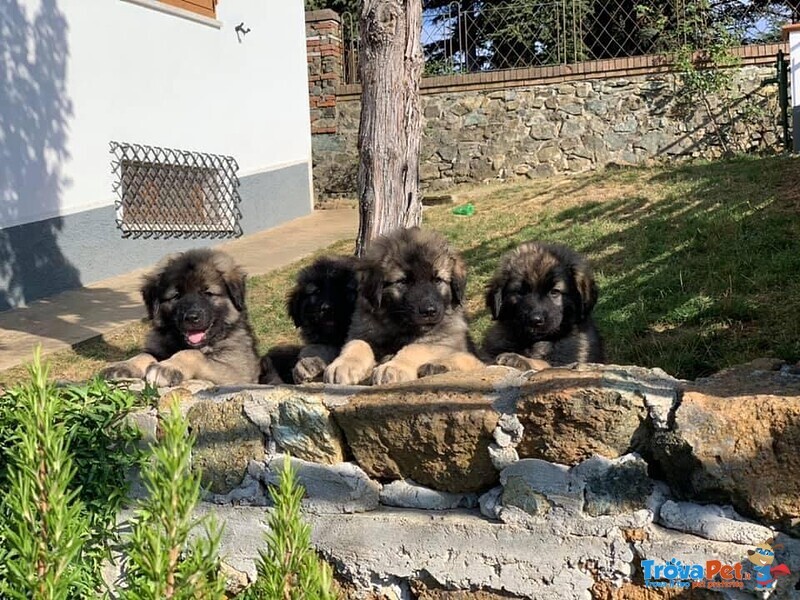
(324, 49)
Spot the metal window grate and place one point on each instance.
(168, 193)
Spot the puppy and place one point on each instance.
(199, 327)
(408, 312)
(541, 297)
(321, 305)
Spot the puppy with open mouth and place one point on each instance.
(409, 311)
(199, 326)
(541, 298)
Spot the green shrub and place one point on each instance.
(289, 569)
(45, 524)
(88, 418)
(162, 563)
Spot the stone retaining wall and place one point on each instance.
(568, 127)
(538, 121)
(502, 484)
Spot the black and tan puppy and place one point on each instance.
(408, 313)
(541, 297)
(199, 327)
(321, 305)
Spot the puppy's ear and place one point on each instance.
(587, 288)
(370, 283)
(494, 297)
(150, 294)
(294, 305)
(236, 286)
(458, 281)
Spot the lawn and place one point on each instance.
(697, 264)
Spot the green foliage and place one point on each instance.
(162, 562)
(101, 449)
(700, 45)
(289, 569)
(45, 524)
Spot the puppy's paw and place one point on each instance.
(429, 369)
(163, 375)
(392, 373)
(345, 372)
(308, 369)
(522, 363)
(121, 370)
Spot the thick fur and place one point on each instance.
(541, 297)
(409, 311)
(199, 327)
(321, 305)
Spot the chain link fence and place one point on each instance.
(168, 193)
(472, 36)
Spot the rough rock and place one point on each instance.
(490, 503)
(570, 415)
(408, 494)
(736, 441)
(435, 431)
(534, 486)
(305, 429)
(614, 487)
(226, 442)
(712, 522)
(422, 592)
(296, 419)
(502, 457)
(329, 489)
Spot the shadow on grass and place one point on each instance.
(698, 269)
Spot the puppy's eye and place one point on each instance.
(210, 294)
(438, 280)
(554, 293)
(401, 281)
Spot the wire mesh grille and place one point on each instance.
(168, 193)
(469, 36)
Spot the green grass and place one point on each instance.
(697, 263)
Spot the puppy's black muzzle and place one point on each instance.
(193, 318)
(425, 305)
(534, 318)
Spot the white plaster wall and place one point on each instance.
(79, 73)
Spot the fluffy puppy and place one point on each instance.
(321, 305)
(541, 297)
(199, 327)
(408, 312)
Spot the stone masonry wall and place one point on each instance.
(559, 485)
(565, 127)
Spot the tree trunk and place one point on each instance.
(390, 64)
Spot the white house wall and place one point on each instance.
(77, 74)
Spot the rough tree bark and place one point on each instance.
(390, 65)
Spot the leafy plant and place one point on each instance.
(45, 523)
(163, 563)
(289, 569)
(88, 418)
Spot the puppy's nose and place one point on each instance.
(192, 317)
(428, 310)
(537, 319)
(324, 307)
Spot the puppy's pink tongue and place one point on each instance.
(195, 337)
